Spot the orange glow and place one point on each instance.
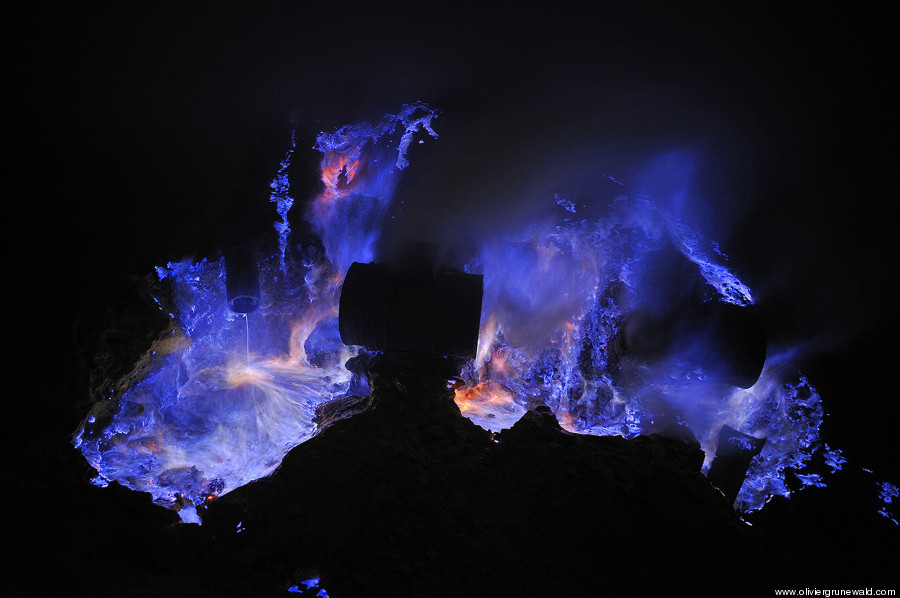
(338, 175)
(303, 328)
(146, 446)
(242, 374)
(499, 363)
(569, 331)
(567, 421)
(332, 172)
(483, 395)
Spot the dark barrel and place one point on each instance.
(677, 324)
(417, 310)
(242, 280)
(724, 340)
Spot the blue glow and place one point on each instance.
(565, 204)
(555, 298)
(834, 459)
(887, 495)
(811, 479)
(309, 584)
(281, 196)
(208, 409)
(702, 252)
(359, 177)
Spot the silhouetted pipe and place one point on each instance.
(725, 341)
(411, 308)
(242, 280)
(676, 322)
(734, 451)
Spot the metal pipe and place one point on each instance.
(725, 341)
(412, 307)
(242, 280)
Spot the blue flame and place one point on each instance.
(219, 399)
(887, 495)
(309, 584)
(211, 407)
(360, 165)
(556, 298)
(281, 196)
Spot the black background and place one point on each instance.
(141, 135)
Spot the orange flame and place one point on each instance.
(339, 174)
(567, 421)
(481, 397)
(242, 374)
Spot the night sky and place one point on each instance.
(144, 135)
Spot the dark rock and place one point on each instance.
(399, 495)
(525, 512)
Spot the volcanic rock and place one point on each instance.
(409, 498)
(400, 495)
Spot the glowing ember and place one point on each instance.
(220, 398)
(489, 405)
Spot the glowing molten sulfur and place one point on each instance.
(220, 398)
(489, 405)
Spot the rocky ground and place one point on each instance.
(405, 497)
(400, 495)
